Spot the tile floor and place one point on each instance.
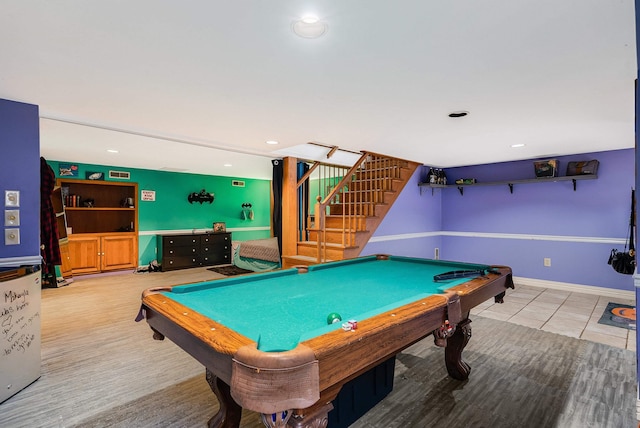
(562, 312)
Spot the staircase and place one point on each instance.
(350, 203)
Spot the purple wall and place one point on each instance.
(20, 170)
(488, 224)
(575, 229)
(412, 226)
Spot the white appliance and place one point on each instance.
(20, 358)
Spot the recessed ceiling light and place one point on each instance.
(227, 164)
(112, 151)
(310, 19)
(272, 142)
(515, 146)
(309, 27)
(460, 113)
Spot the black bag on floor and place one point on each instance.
(625, 261)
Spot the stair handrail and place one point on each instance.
(345, 180)
(321, 206)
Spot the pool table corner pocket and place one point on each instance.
(270, 382)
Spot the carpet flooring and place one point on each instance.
(520, 377)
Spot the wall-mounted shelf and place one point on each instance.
(511, 183)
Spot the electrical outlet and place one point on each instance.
(547, 262)
(11, 198)
(12, 217)
(436, 253)
(11, 236)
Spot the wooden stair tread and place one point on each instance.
(328, 244)
(306, 258)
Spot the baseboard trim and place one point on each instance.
(575, 288)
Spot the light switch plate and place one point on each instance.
(11, 198)
(12, 217)
(11, 236)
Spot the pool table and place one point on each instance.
(269, 342)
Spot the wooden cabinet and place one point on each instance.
(187, 251)
(93, 253)
(102, 217)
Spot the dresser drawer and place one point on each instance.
(180, 251)
(216, 259)
(171, 263)
(215, 248)
(180, 241)
(216, 239)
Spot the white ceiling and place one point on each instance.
(192, 85)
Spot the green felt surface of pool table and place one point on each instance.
(278, 310)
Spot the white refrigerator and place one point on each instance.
(20, 359)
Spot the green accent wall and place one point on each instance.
(171, 212)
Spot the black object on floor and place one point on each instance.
(229, 270)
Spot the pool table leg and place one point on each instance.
(457, 368)
(229, 414)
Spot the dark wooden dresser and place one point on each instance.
(193, 250)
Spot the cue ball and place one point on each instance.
(333, 317)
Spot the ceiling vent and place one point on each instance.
(121, 175)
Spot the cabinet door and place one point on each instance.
(84, 254)
(119, 252)
(65, 268)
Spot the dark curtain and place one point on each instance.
(303, 201)
(49, 244)
(276, 185)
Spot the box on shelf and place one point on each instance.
(546, 168)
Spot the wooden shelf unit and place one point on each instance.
(511, 183)
(104, 236)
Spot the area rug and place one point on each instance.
(619, 315)
(229, 270)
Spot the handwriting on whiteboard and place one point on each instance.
(18, 325)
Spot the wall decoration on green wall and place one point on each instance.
(247, 212)
(201, 197)
(92, 175)
(68, 170)
(148, 195)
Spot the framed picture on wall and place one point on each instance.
(219, 226)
